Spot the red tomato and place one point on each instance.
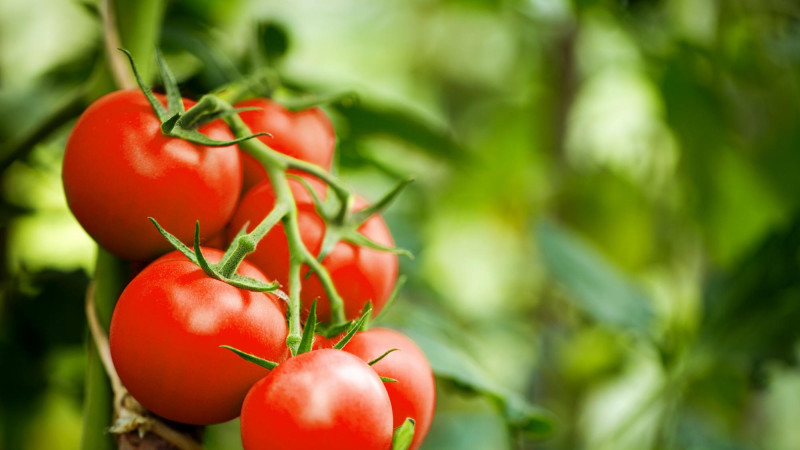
(414, 394)
(119, 169)
(306, 135)
(322, 399)
(166, 331)
(359, 274)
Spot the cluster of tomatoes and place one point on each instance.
(172, 318)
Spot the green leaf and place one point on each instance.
(452, 365)
(752, 312)
(371, 119)
(403, 435)
(312, 101)
(592, 282)
(388, 380)
(265, 363)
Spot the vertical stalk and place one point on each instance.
(110, 276)
(139, 27)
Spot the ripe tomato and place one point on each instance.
(359, 274)
(414, 394)
(306, 135)
(166, 331)
(322, 399)
(119, 169)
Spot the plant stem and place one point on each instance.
(109, 279)
(276, 165)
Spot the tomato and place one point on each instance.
(322, 399)
(414, 394)
(119, 169)
(306, 135)
(166, 332)
(359, 274)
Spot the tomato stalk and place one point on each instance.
(276, 164)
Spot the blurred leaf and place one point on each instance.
(273, 40)
(452, 365)
(369, 119)
(592, 282)
(754, 310)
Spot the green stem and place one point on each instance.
(246, 244)
(345, 198)
(276, 165)
(207, 104)
(109, 280)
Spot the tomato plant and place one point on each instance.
(119, 169)
(306, 135)
(166, 331)
(360, 274)
(321, 399)
(414, 393)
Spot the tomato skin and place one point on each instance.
(165, 334)
(119, 169)
(359, 274)
(321, 399)
(414, 394)
(306, 135)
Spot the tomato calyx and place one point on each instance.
(175, 120)
(342, 223)
(225, 270)
(403, 435)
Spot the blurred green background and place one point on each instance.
(605, 216)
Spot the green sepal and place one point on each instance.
(403, 435)
(158, 108)
(168, 125)
(174, 100)
(299, 104)
(251, 284)
(210, 117)
(356, 238)
(332, 330)
(197, 257)
(201, 259)
(319, 205)
(388, 380)
(375, 361)
(265, 363)
(175, 242)
(395, 292)
(361, 216)
(355, 327)
(308, 330)
(197, 137)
